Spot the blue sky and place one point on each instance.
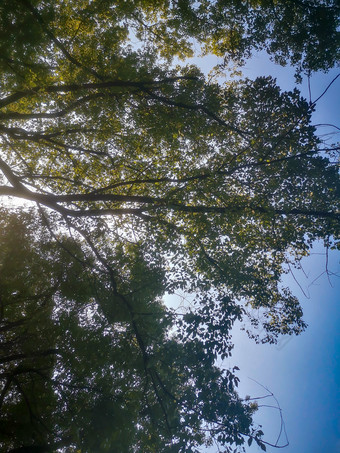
(302, 372)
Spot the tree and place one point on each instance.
(93, 34)
(83, 369)
(149, 179)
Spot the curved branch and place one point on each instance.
(74, 87)
(325, 91)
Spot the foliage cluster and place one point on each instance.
(148, 179)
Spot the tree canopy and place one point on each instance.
(148, 179)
